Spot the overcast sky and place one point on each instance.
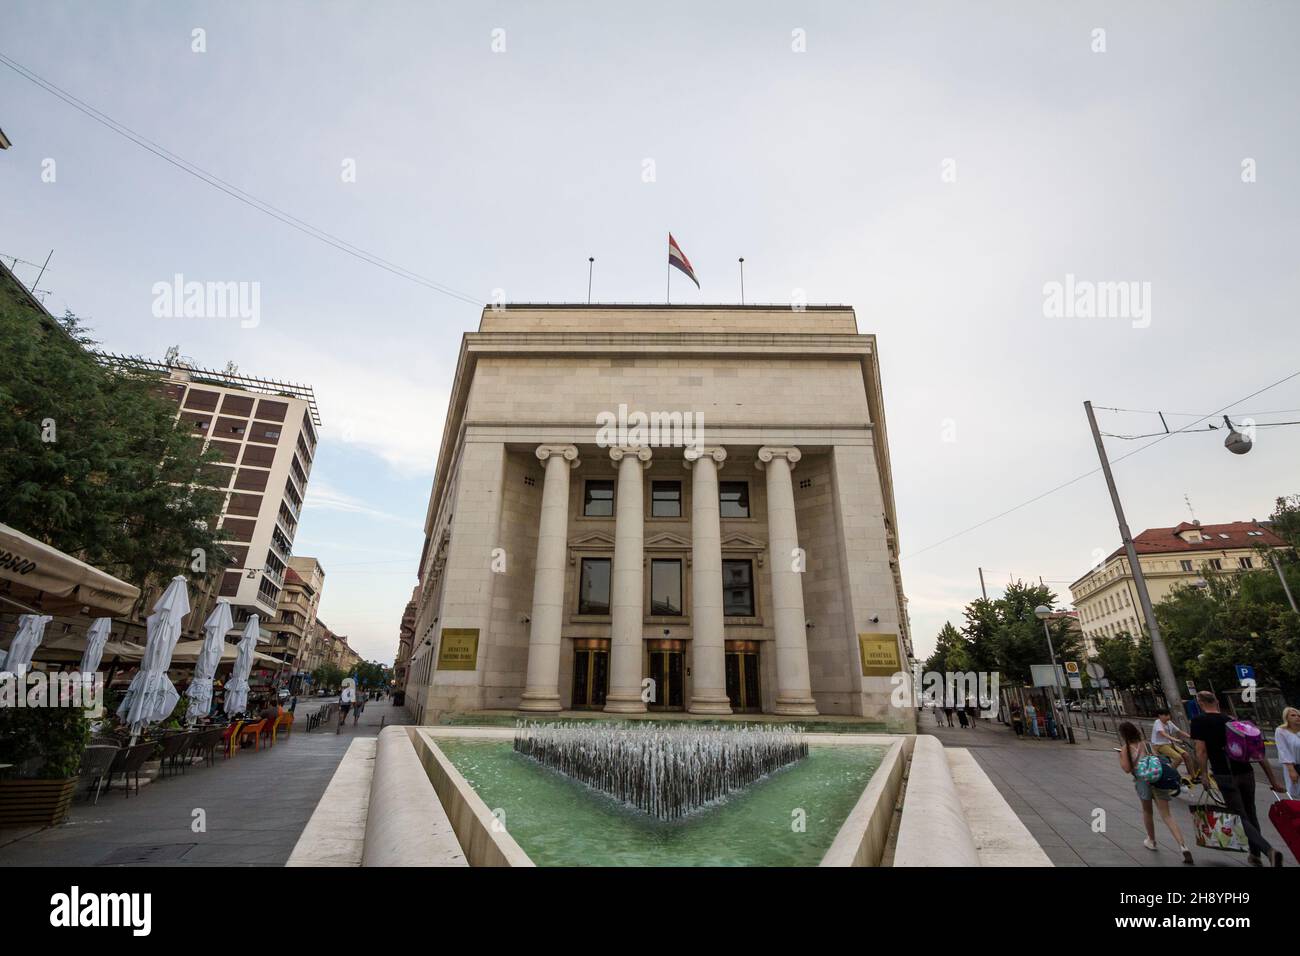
(827, 169)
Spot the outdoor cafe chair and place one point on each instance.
(230, 738)
(128, 762)
(95, 764)
(173, 746)
(205, 743)
(253, 730)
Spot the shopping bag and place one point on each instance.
(1216, 828)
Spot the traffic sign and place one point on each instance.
(1096, 671)
(1245, 673)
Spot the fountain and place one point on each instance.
(667, 772)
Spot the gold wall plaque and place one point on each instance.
(458, 649)
(879, 655)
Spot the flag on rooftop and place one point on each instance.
(678, 258)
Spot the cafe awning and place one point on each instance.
(187, 653)
(44, 580)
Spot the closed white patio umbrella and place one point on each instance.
(237, 687)
(96, 637)
(151, 696)
(205, 668)
(31, 628)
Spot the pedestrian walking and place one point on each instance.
(972, 710)
(947, 711)
(1235, 779)
(347, 697)
(358, 709)
(1287, 739)
(1130, 757)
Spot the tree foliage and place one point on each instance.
(1005, 635)
(90, 459)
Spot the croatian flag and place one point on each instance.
(678, 258)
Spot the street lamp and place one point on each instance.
(1043, 612)
(1236, 442)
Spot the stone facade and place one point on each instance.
(727, 557)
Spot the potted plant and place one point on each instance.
(45, 746)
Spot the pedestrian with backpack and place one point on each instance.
(1229, 748)
(1156, 782)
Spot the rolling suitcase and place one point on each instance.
(1285, 817)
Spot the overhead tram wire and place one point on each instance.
(1088, 474)
(232, 190)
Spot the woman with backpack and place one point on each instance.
(1149, 772)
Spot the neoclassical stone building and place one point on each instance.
(658, 508)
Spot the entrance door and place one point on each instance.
(742, 676)
(667, 667)
(590, 673)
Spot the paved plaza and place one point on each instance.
(256, 807)
(1055, 787)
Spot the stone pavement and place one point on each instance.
(1054, 788)
(256, 806)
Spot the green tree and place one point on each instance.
(951, 652)
(90, 459)
(1018, 640)
(327, 677)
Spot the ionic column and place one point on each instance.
(793, 685)
(709, 678)
(626, 583)
(542, 691)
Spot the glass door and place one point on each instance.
(590, 674)
(742, 676)
(667, 670)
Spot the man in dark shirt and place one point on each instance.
(1235, 779)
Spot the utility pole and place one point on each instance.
(1164, 667)
(984, 592)
(1277, 566)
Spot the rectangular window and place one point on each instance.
(738, 588)
(665, 499)
(1246, 562)
(1216, 564)
(598, 499)
(733, 499)
(1185, 565)
(593, 586)
(666, 588)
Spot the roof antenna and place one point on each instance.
(1190, 509)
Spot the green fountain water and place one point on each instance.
(558, 821)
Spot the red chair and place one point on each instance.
(229, 738)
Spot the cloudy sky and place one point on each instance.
(936, 165)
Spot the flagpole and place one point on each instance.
(668, 296)
(742, 280)
(591, 262)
